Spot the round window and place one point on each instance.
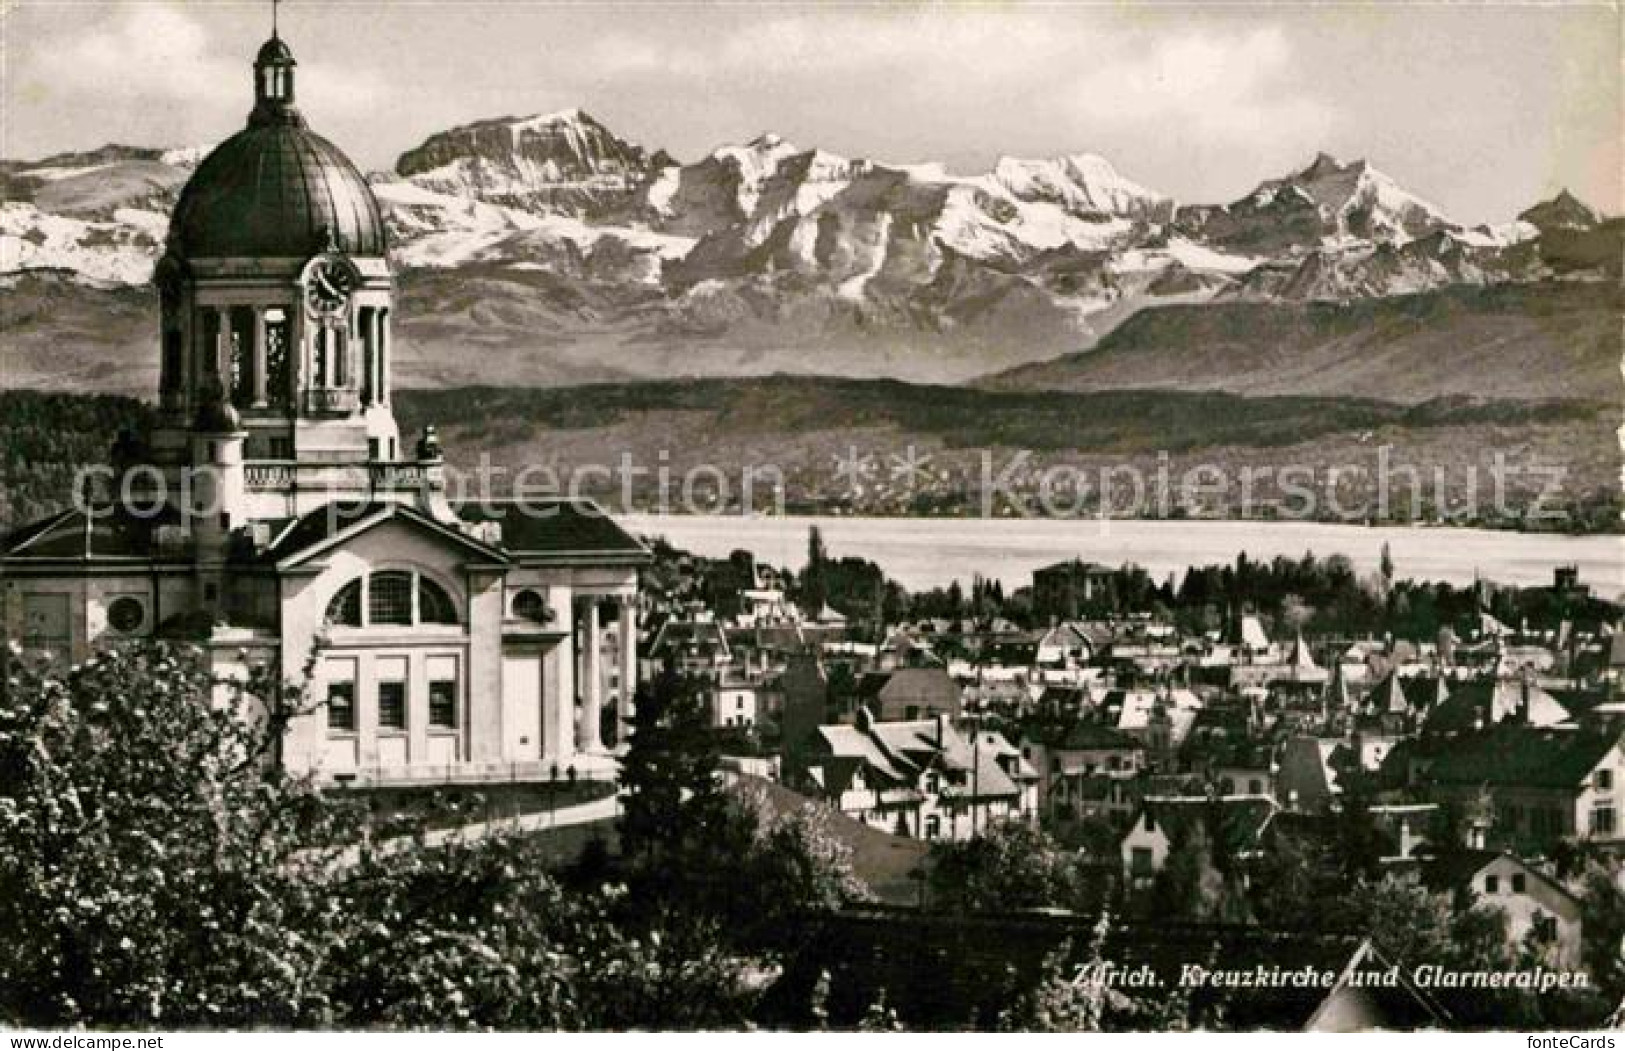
(531, 606)
(126, 614)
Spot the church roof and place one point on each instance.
(276, 190)
(308, 535)
(555, 527)
(101, 535)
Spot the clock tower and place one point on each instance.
(276, 296)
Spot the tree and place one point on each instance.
(673, 804)
(156, 870)
(1011, 865)
(815, 578)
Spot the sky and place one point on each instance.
(1481, 110)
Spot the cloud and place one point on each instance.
(1238, 88)
(1081, 76)
(158, 55)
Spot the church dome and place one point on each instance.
(276, 189)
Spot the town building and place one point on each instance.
(1545, 785)
(1534, 903)
(918, 777)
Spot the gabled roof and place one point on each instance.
(902, 685)
(679, 635)
(1458, 869)
(1478, 705)
(331, 524)
(1523, 756)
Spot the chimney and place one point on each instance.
(942, 730)
(1407, 842)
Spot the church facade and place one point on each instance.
(276, 517)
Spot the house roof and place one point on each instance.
(1083, 735)
(1457, 869)
(679, 635)
(1523, 756)
(902, 685)
(1475, 705)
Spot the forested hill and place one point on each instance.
(1549, 340)
(804, 426)
(45, 438)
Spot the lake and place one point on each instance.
(922, 553)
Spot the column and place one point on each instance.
(385, 351)
(592, 742)
(222, 347)
(259, 358)
(369, 352)
(208, 344)
(378, 355)
(628, 627)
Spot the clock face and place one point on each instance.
(328, 285)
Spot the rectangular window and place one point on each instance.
(392, 706)
(1602, 820)
(1492, 885)
(443, 694)
(46, 621)
(341, 707)
(933, 827)
(389, 598)
(1140, 861)
(281, 448)
(1518, 883)
(1605, 780)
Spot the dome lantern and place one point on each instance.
(273, 84)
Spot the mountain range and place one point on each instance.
(549, 250)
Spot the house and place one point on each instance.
(918, 777)
(734, 702)
(1167, 822)
(1068, 757)
(1063, 646)
(275, 518)
(1545, 784)
(910, 693)
(1159, 719)
(694, 644)
(1065, 588)
(1534, 903)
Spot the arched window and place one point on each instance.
(345, 609)
(394, 597)
(434, 605)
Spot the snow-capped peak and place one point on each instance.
(1563, 212)
(1082, 183)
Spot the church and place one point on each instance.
(276, 517)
